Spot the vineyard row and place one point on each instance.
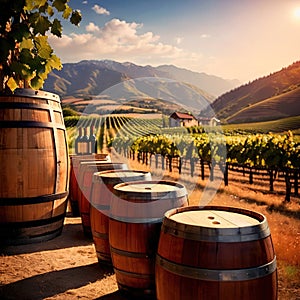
(273, 153)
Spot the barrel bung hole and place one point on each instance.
(216, 223)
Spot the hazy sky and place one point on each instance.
(234, 39)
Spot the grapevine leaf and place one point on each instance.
(50, 64)
(16, 67)
(42, 25)
(44, 8)
(25, 56)
(21, 69)
(12, 84)
(75, 18)
(55, 62)
(43, 75)
(30, 5)
(56, 28)
(60, 5)
(20, 31)
(36, 82)
(67, 12)
(50, 11)
(32, 18)
(34, 4)
(44, 50)
(26, 44)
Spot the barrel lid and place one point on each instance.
(97, 166)
(94, 156)
(150, 189)
(76, 161)
(146, 201)
(215, 219)
(95, 163)
(216, 224)
(121, 175)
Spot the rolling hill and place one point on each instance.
(150, 93)
(269, 98)
(274, 108)
(210, 83)
(92, 77)
(82, 80)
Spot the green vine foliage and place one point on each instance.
(25, 54)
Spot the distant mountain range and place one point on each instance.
(269, 98)
(91, 77)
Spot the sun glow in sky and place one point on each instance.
(297, 13)
(232, 39)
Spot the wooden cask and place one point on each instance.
(215, 253)
(101, 195)
(85, 178)
(34, 167)
(76, 159)
(134, 228)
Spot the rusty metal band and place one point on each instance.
(222, 235)
(30, 124)
(36, 94)
(103, 236)
(30, 224)
(131, 254)
(24, 105)
(32, 200)
(136, 220)
(134, 275)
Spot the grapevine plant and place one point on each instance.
(262, 151)
(26, 57)
(265, 151)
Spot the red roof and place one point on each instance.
(179, 115)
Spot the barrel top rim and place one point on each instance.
(146, 187)
(27, 92)
(244, 213)
(215, 219)
(100, 162)
(108, 173)
(219, 232)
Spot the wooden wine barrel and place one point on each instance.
(34, 164)
(216, 253)
(134, 228)
(76, 159)
(101, 195)
(85, 178)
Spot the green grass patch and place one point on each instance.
(281, 125)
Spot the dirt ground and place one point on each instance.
(66, 267)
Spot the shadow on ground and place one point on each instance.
(53, 283)
(72, 236)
